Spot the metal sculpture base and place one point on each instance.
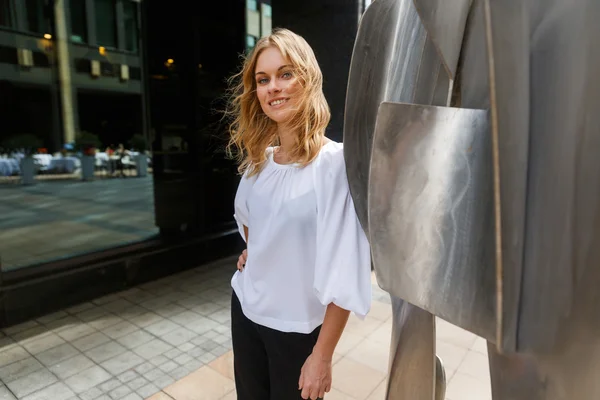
(415, 371)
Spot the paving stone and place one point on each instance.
(120, 392)
(137, 383)
(43, 343)
(209, 345)
(92, 314)
(80, 308)
(57, 354)
(30, 334)
(56, 391)
(20, 327)
(132, 396)
(183, 359)
(186, 347)
(193, 365)
(159, 360)
(143, 368)
(52, 317)
(31, 383)
(168, 366)
(148, 390)
(117, 305)
(179, 336)
(197, 352)
(221, 316)
(164, 381)
(6, 394)
(135, 339)
(105, 321)
(89, 342)
(173, 353)
(162, 327)
(212, 334)
(179, 372)
(186, 317)
(202, 325)
(127, 376)
(152, 349)
(122, 363)
(19, 369)
(207, 358)
(221, 339)
(91, 394)
(170, 310)
(71, 366)
(109, 385)
(75, 332)
(87, 379)
(154, 374)
(11, 355)
(219, 351)
(105, 351)
(63, 323)
(146, 319)
(120, 329)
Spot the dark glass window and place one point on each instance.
(78, 21)
(106, 23)
(36, 20)
(5, 13)
(131, 25)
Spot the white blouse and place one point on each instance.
(306, 247)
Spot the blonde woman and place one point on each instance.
(308, 259)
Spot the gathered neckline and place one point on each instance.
(271, 157)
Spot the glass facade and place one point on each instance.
(114, 140)
(78, 21)
(106, 23)
(259, 16)
(76, 164)
(5, 13)
(37, 21)
(130, 22)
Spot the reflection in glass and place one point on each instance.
(78, 21)
(250, 42)
(131, 26)
(5, 19)
(62, 196)
(266, 22)
(106, 23)
(36, 20)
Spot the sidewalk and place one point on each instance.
(170, 339)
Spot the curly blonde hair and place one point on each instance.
(252, 132)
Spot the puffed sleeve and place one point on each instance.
(343, 256)
(241, 214)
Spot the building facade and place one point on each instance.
(121, 69)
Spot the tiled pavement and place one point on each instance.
(55, 219)
(170, 339)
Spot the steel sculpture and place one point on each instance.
(472, 142)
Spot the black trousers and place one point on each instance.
(267, 362)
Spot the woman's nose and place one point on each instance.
(274, 86)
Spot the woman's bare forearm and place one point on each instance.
(331, 331)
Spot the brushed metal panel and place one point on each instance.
(430, 212)
(385, 66)
(413, 365)
(564, 167)
(445, 22)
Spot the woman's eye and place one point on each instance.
(262, 81)
(287, 75)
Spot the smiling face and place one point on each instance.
(277, 89)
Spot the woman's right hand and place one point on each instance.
(242, 261)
